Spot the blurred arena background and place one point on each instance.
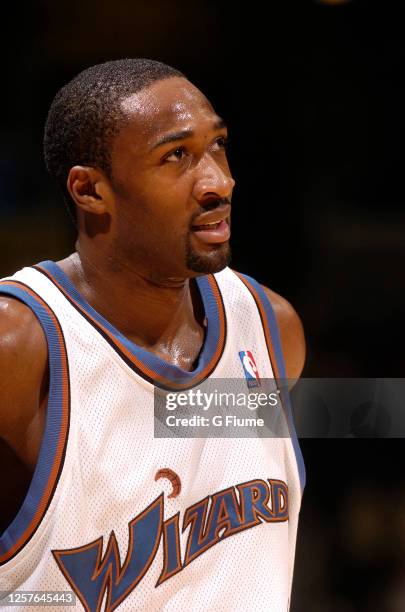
(314, 93)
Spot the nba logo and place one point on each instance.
(250, 369)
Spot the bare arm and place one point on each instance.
(23, 380)
(291, 334)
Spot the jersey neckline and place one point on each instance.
(148, 365)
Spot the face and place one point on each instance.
(172, 183)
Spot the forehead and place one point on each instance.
(166, 105)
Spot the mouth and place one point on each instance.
(213, 227)
(212, 233)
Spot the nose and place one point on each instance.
(213, 179)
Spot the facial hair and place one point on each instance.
(214, 262)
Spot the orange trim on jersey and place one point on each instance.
(152, 375)
(63, 433)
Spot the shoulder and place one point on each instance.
(291, 333)
(289, 325)
(20, 330)
(23, 368)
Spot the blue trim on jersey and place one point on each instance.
(152, 361)
(275, 337)
(53, 425)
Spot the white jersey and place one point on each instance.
(125, 520)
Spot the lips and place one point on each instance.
(207, 226)
(212, 226)
(210, 218)
(212, 233)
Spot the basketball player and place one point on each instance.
(111, 514)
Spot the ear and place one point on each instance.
(90, 189)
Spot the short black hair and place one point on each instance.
(85, 115)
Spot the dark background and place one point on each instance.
(314, 96)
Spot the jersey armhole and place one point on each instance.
(272, 336)
(53, 446)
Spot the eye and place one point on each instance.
(176, 155)
(221, 142)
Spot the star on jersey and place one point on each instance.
(209, 521)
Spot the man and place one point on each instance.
(121, 518)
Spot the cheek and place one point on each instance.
(153, 220)
(169, 206)
(156, 204)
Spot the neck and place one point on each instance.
(152, 313)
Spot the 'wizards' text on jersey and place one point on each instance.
(90, 573)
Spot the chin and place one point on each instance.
(209, 263)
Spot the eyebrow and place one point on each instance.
(182, 134)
